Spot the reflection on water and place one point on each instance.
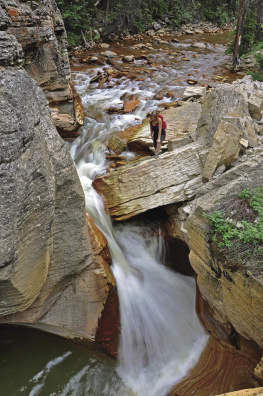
(38, 364)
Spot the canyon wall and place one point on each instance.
(39, 29)
(52, 270)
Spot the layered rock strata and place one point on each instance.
(39, 29)
(222, 129)
(47, 272)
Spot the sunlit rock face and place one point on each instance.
(39, 29)
(232, 295)
(174, 177)
(46, 273)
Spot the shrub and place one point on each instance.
(238, 233)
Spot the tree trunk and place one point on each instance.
(107, 10)
(242, 13)
(259, 30)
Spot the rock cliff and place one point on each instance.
(33, 33)
(50, 266)
(198, 178)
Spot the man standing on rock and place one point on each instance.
(157, 131)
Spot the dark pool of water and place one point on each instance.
(35, 363)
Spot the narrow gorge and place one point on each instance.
(106, 246)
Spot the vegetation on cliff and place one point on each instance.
(238, 232)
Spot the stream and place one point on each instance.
(161, 337)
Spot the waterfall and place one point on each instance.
(161, 338)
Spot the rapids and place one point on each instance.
(161, 337)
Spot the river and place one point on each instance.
(161, 337)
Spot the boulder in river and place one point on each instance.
(104, 46)
(109, 54)
(130, 105)
(199, 45)
(128, 58)
(116, 144)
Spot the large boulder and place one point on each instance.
(39, 29)
(225, 100)
(136, 188)
(181, 123)
(46, 270)
(225, 147)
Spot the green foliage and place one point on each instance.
(259, 59)
(182, 14)
(136, 14)
(258, 76)
(216, 11)
(240, 237)
(77, 18)
(249, 32)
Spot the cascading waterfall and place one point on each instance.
(161, 337)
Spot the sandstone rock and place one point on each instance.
(193, 92)
(179, 142)
(191, 81)
(109, 54)
(133, 189)
(259, 370)
(189, 32)
(199, 45)
(224, 289)
(162, 41)
(130, 105)
(42, 204)
(78, 110)
(158, 96)
(128, 58)
(225, 148)
(245, 392)
(104, 46)
(65, 123)
(116, 144)
(225, 100)
(255, 105)
(39, 29)
(179, 120)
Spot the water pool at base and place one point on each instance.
(38, 364)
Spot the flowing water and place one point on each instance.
(161, 337)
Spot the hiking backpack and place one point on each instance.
(164, 123)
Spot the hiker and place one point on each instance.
(158, 133)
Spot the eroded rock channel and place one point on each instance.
(55, 263)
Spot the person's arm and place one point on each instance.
(151, 129)
(159, 130)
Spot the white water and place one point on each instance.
(161, 337)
